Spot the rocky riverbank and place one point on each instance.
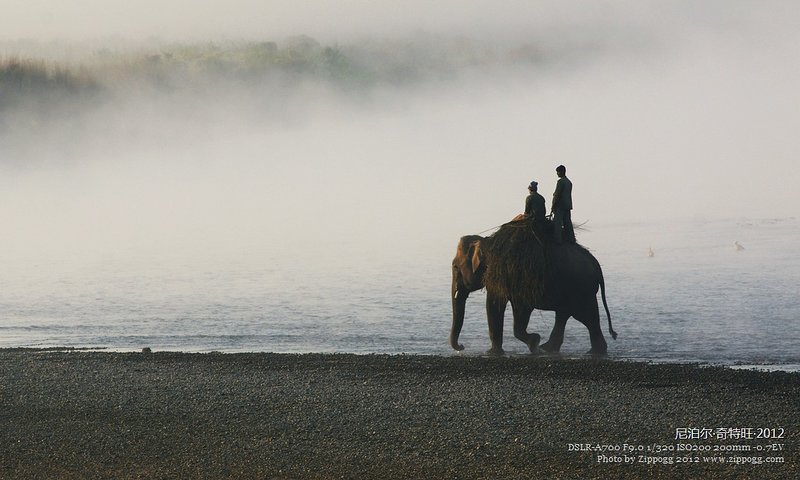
(172, 415)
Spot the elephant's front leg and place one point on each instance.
(553, 343)
(522, 316)
(495, 313)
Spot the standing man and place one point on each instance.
(562, 208)
(535, 205)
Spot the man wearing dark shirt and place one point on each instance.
(562, 208)
(535, 204)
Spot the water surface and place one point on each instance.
(698, 299)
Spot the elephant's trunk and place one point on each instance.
(459, 298)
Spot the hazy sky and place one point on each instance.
(194, 19)
(685, 109)
(44, 19)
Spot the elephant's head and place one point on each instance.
(468, 269)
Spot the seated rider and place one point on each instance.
(535, 208)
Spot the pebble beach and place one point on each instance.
(93, 414)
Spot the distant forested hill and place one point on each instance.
(35, 80)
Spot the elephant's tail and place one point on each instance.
(605, 304)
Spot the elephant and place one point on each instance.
(515, 265)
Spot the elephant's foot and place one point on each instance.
(550, 347)
(599, 347)
(495, 352)
(533, 342)
(597, 352)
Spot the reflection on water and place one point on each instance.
(697, 299)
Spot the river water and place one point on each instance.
(697, 299)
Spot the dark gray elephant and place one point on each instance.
(518, 265)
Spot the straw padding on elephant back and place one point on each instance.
(515, 263)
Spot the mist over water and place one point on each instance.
(176, 191)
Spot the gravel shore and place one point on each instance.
(82, 414)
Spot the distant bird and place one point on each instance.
(650, 252)
(738, 246)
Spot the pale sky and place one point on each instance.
(187, 19)
(80, 19)
(196, 19)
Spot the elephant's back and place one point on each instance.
(572, 267)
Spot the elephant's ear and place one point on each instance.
(476, 255)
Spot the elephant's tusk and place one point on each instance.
(456, 295)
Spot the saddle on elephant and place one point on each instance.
(516, 254)
(542, 229)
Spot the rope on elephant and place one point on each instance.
(489, 230)
(579, 226)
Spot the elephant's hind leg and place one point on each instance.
(553, 343)
(522, 316)
(589, 315)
